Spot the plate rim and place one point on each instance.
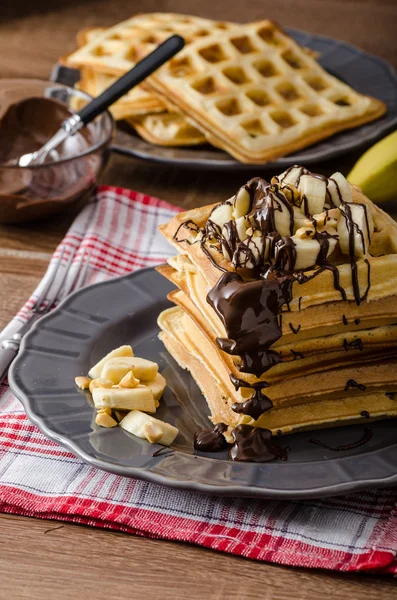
(146, 473)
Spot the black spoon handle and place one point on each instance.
(143, 69)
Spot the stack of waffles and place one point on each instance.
(286, 312)
(248, 89)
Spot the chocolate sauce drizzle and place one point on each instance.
(211, 440)
(257, 404)
(366, 438)
(365, 414)
(250, 307)
(253, 444)
(353, 345)
(345, 321)
(249, 311)
(293, 328)
(353, 384)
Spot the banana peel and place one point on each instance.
(376, 171)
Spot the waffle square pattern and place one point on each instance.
(257, 94)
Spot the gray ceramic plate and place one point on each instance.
(98, 318)
(365, 73)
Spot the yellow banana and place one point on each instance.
(376, 171)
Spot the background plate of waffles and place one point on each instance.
(237, 95)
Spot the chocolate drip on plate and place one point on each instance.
(366, 438)
(253, 444)
(211, 440)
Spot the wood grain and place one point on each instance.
(37, 558)
(69, 561)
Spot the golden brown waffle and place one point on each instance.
(303, 403)
(352, 345)
(317, 291)
(167, 129)
(136, 102)
(117, 49)
(257, 94)
(139, 106)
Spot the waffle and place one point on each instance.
(337, 350)
(138, 106)
(118, 48)
(256, 94)
(167, 129)
(137, 101)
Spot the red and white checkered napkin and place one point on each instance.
(38, 478)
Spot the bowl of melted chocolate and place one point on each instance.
(31, 111)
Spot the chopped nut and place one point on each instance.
(82, 382)
(100, 382)
(305, 232)
(129, 381)
(119, 414)
(321, 219)
(334, 213)
(153, 432)
(250, 231)
(105, 410)
(291, 193)
(105, 420)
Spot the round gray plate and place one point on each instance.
(363, 72)
(90, 323)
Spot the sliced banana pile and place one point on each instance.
(122, 386)
(314, 214)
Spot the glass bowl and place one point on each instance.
(32, 193)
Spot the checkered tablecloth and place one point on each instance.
(38, 478)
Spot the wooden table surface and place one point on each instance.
(43, 559)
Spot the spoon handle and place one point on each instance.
(136, 75)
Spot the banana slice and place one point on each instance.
(339, 189)
(146, 427)
(96, 370)
(251, 252)
(300, 219)
(282, 215)
(116, 368)
(241, 203)
(308, 248)
(362, 226)
(313, 191)
(223, 213)
(234, 233)
(139, 398)
(292, 175)
(157, 385)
